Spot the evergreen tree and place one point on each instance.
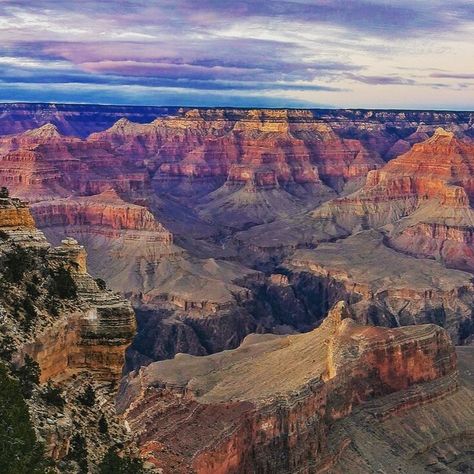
(20, 453)
(78, 452)
(112, 463)
(103, 425)
(63, 285)
(88, 397)
(16, 263)
(29, 376)
(53, 396)
(7, 348)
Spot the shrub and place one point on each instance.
(32, 289)
(101, 283)
(63, 285)
(52, 304)
(4, 193)
(30, 314)
(28, 375)
(78, 452)
(7, 348)
(20, 453)
(87, 398)
(17, 262)
(112, 463)
(103, 425)
(52, 395)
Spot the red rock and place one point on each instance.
(271, 404)
(259, 141)
(106, 210)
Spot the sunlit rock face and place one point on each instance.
(263, 146)
(92, 334)
(272, 404)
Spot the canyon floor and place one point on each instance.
(233, 231)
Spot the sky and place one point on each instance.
(413, 54)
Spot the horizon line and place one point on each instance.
(230, 107)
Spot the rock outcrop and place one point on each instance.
(264, 147)
(105, 210)
(42, 164)
(93, 333)
(384, 287)
(438, 168)
(54, 314)
(272, 404)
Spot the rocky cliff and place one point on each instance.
(273, 404)
(383, 287)
(54, 314)
(96, 329)
(438, 168)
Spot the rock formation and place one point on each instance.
(265, 147)
(55, 314)
(438, 168)
(93, 335)
(274, 404)
(220, 223)
(384, 287)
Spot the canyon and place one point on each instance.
(288, 403)
(290, 272)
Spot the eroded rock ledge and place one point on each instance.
(94, 330)
(269, 406)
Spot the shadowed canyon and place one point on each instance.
(245, 290)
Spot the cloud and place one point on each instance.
(449, 75)
(294, 48)
(381, 80)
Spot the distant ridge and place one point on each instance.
(83, 119)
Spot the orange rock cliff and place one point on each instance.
(272, 403)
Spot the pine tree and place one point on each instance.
(53, 396)
(20, 453)
(112, 463)
(29, 376)
(78, 452)
(88, 397)
(103, 425)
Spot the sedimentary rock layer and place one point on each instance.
(270, 405)
(89, 333)
(384, 286)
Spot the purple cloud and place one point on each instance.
(295, 50)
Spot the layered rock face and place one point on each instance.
(384, 287)
(15, 214)
(104, 210)
(42, 164)
(95, 337)
(54, 314)
(264, 147)
(92, 336)
(438, 168)
(271, 405)
(203, 174)
(261, 164)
